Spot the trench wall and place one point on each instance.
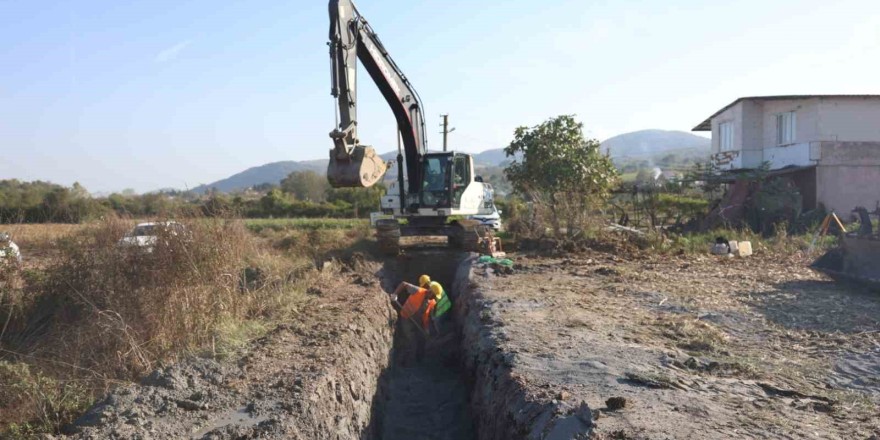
(502, 402)
(340, 403)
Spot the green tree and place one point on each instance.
(560, 171)
(306, 185)
(362, 200)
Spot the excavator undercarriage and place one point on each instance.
(466, 235)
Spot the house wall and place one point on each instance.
(800, 154)
(848, 175)
(849, 120)
(818, 119)
(752, 127)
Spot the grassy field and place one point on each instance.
(287, 224)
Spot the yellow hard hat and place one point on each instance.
(424, 280)
(436, 289)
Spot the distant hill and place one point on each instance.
(638, 144)
(268, 173)
(276, 171)
(648, 143)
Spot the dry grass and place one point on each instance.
(691, 334)
(39, 236)
(97, 313)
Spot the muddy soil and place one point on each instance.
(691, 347)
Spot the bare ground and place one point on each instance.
(598, 345)
(694, 346)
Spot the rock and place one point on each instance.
(584, 413)
(189, 405)
(615, 403)
(719, 249)
(563, 395)
(744, 249)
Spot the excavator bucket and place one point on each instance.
(361, 168)
(856, 259)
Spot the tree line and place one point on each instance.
(301, 194)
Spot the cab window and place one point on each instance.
(460, 178)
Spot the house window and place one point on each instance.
(786, 124)
(725, 135)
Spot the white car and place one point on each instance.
(8, 248)
(492, 220)
(145, 235)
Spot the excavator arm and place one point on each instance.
(353, 164)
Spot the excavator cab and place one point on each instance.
(444, 179)
(435, 181)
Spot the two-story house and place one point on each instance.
(829, 144)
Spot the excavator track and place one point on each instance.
(388, 236)
(468, 235)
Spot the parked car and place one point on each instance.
(146, 235)
(492, 220)
(8, 248)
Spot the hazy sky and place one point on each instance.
(145, 95)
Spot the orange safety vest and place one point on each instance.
(414, 303)
(416, 306)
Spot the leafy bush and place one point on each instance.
(562, 174)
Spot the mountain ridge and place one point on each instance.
(637, 144)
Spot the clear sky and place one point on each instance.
(152, 94)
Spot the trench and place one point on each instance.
(364, 382)
(424, 395)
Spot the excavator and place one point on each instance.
(432, 189)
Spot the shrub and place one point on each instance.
(564, 175)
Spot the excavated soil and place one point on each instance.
(599, 345)
(343, 370)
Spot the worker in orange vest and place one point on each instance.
(415, 307)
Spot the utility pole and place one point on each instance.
(446, 130)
